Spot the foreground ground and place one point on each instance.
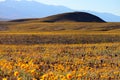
(59, 51)
(60, 62)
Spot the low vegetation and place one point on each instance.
(60, 62)
(35, 26)
(58, 38)
(34, 50)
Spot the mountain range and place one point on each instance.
(11, 9)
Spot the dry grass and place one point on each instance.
(58, 38)
(59, 51)
(35, 32)
(36, 26)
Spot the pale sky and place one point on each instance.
(109, 6)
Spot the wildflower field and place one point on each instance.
(60, 55)
(60, 62)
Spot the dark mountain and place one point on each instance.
(67, 17)
(106, 16)
(73, 16)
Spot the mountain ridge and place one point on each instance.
(12, 9)
(66, 17)
(73, 16)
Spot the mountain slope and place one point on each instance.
(106, 16)
(28, 9)
(73, 17)
(65, 17)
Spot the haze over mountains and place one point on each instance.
(11, 9)
(3, 19)
(28, 9)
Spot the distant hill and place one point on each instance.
(2, 19)
(66, 17)
(12, 9)
(73, 17)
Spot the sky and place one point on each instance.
(109, 6)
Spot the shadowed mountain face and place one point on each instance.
(109, 17)
(66, 17)
(73, 16)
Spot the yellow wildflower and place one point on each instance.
(69, 76)
(16, 73)
(4, 79)
(34, 79)
(19, 78)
